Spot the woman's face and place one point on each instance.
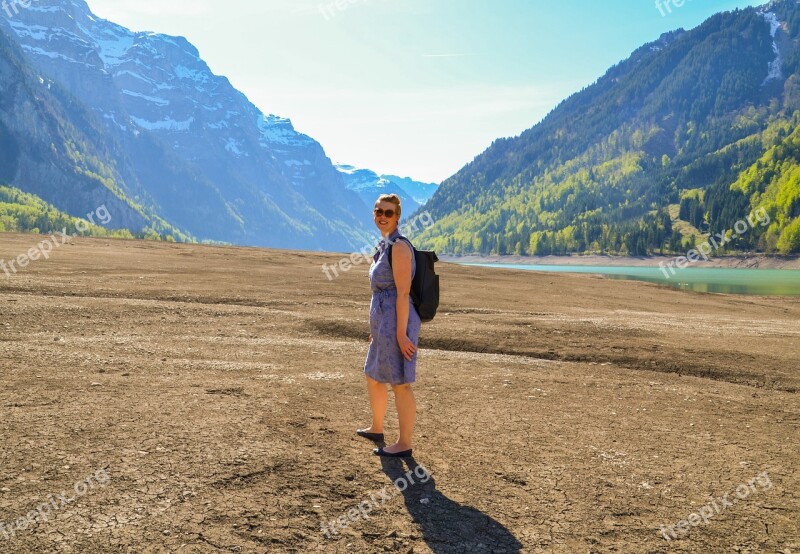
(383, 221)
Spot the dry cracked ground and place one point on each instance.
(218, 389)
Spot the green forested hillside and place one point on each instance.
(773, 183)
(27, 213)
(688, 136)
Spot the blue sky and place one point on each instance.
(411, 87)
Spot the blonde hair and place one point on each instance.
(393, 198)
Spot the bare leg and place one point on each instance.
(378, 400)
(406, 413)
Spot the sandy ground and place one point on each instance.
(756, 261)
(218, 389)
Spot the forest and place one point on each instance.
(682, 140)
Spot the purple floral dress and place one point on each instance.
(385, 363)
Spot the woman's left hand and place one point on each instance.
(406, 347)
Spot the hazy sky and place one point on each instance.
(411, 87)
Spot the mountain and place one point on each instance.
(53, 146)
(369, 185)
(174, 138)
(687, 137)
(419, 191)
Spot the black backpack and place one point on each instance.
(425, 285)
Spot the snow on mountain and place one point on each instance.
(252, 177)
(421, 192)
(775, 65)
(369, 185)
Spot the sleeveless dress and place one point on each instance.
(385, 363)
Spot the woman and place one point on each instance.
(394, 331)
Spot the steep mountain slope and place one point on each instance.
(209, 161)
(609, 168)
(369, 185)
(52, 146)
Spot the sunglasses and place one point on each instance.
(380, 212)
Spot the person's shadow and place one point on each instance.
(447, 526)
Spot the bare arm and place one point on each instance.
(401, 269)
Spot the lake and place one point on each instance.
(772, 282)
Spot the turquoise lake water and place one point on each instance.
(772, 282)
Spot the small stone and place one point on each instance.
(96, 385)
(5, 489)
(425, 501)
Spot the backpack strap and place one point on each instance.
(409, 244)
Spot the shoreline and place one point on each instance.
(758, 261)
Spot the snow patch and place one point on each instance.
(44, 9)
(233, 146)
(45, 53)
(279, 130)
(111, 41)
(165, 124)
(347, 169)
(153, 99)
(184, 72)
(35, 32)
(774, 66)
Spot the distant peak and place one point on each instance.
(353, 170)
